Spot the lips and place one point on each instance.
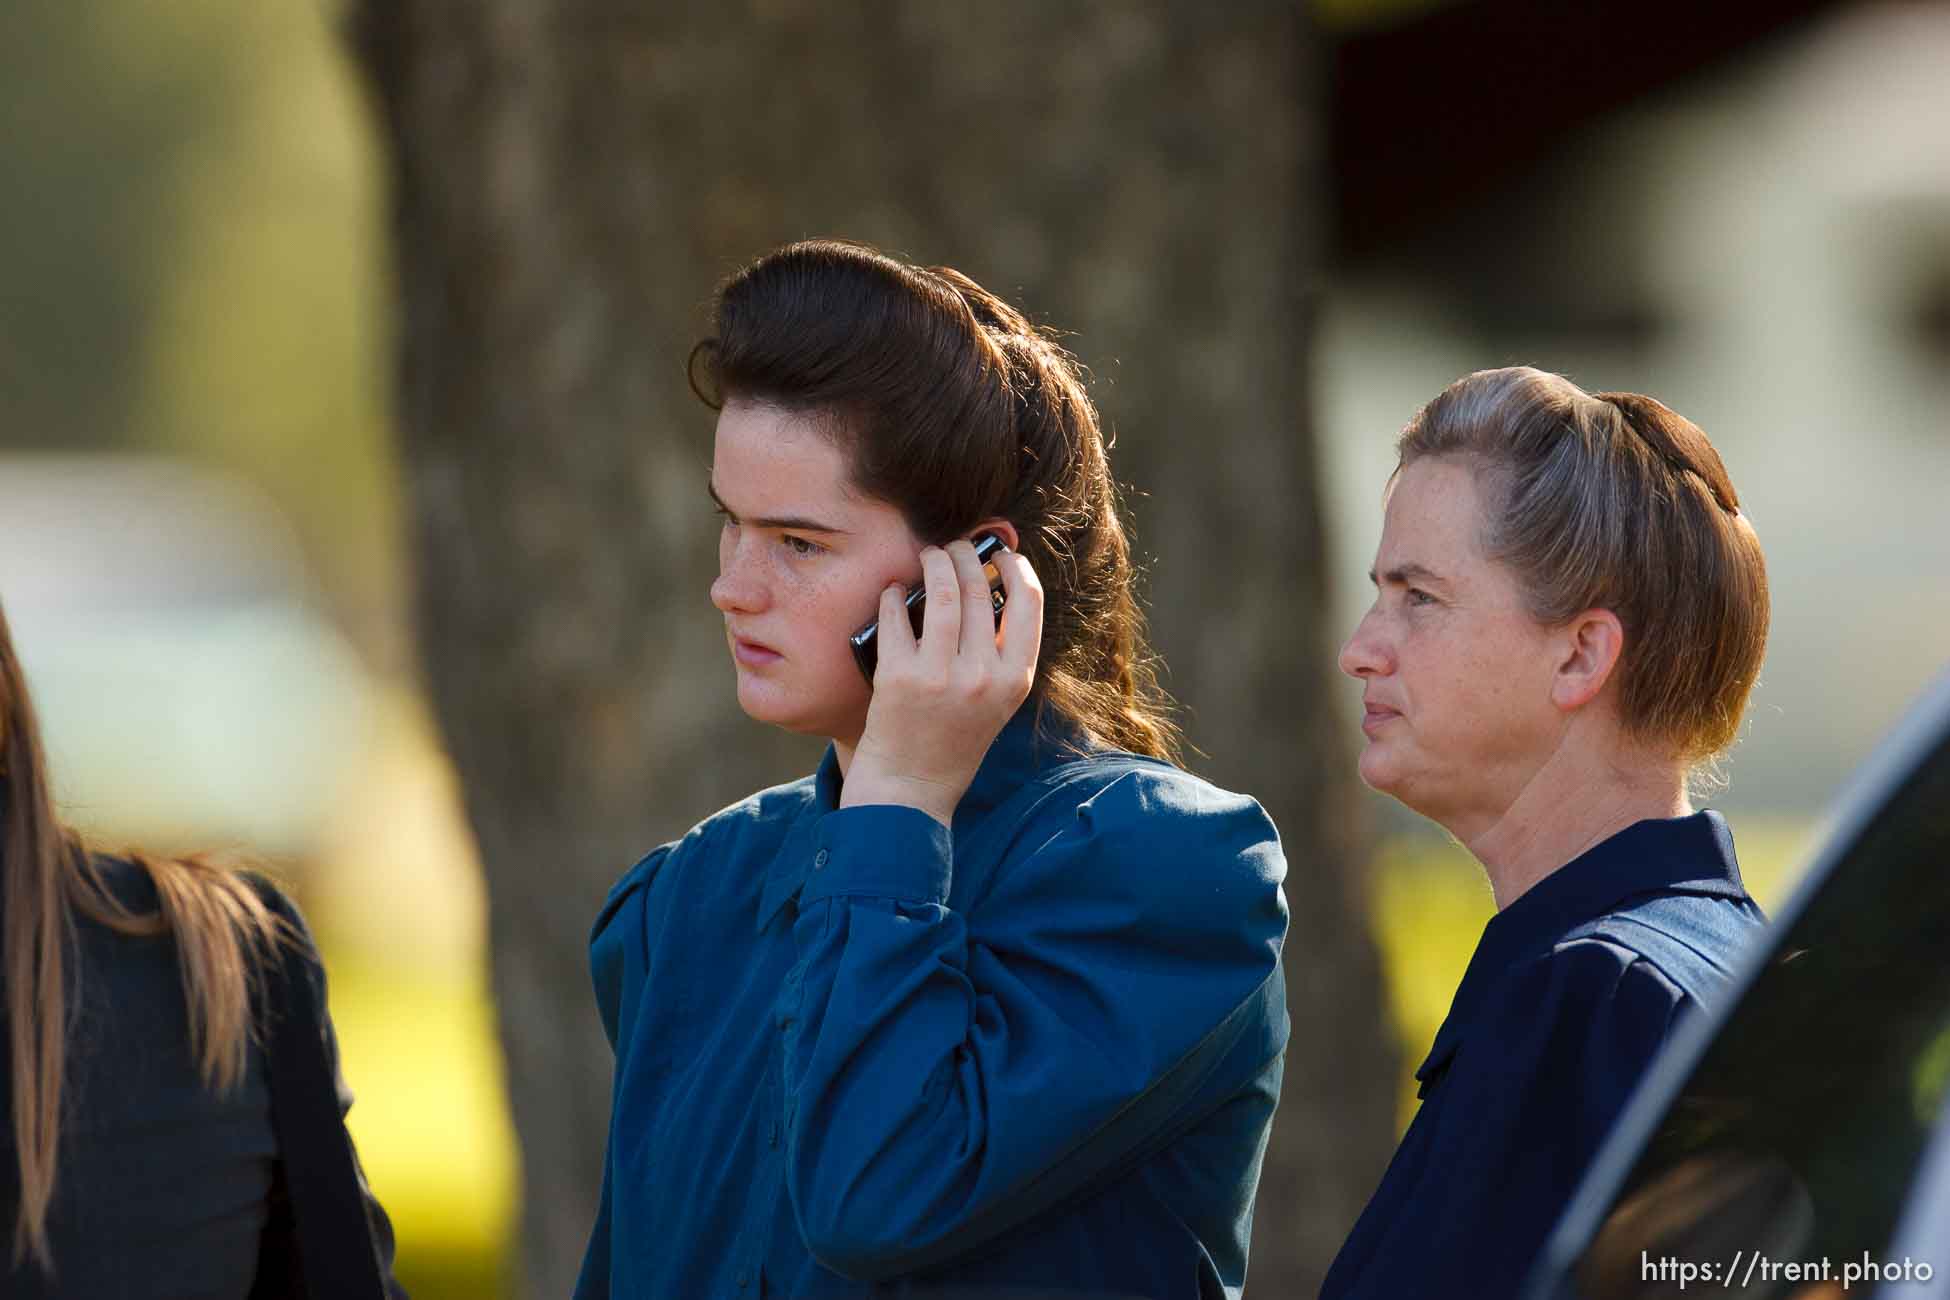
(1376, 716)
(753, 654)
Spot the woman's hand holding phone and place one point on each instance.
(938, 704)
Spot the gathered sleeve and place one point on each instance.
(619, 957)
(619, 953)
(949, 1070)
(1519, 1113)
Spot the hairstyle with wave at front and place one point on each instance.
(223, 933)
(1615, 501)
(953, 408)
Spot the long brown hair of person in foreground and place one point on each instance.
(223, 934)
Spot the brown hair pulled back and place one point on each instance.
(953, 408)
(47, 878)
(1615, 501)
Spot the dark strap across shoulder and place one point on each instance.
(337, 1256)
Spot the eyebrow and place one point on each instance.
(1403, 574)
(798, 523)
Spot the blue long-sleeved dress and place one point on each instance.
(858, 1053)
(1572, 990)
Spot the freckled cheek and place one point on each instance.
(827, 609)
(1431, 675)
(1449, 690)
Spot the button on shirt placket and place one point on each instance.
(750, 1278)
(787, 1008)
(767, 1185)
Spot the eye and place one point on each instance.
(800, 546)
(1416, 596)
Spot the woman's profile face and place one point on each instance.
(1456, 673)
(802, 560)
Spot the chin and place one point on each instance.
(765, 707)
(1375, 771)
(1418, 796)
(1383, 776)
(776, 705)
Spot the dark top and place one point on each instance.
(164, 1189)
(1572, 990)
(858, 1054)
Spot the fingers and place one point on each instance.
(977, 613)
(894, 633)
(1022, 614)
(960, 621)
(941, 630)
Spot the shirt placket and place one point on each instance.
(761, 1212)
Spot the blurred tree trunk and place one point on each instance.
(571, 177)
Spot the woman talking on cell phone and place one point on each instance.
(991, 1002)
(1570, 611)
(174, 1117)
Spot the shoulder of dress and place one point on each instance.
(1692, 941)
(1591, 953)
(764, 815)
(1585, 984)
(775, 805)
(1186, 851)
(749, 825)
(1117, 781)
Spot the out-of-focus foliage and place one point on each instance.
(191, 261)
(101, 105)
(430, 1121)
(395, 897)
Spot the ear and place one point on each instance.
(1590, 644)
(1000, 527)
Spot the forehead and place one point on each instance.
(764, 457)
(1433, 516)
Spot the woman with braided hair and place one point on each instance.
(991, 1003)
(1570, 612)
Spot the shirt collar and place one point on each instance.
(1027, 743)
(1672, 855)
(1035, 738)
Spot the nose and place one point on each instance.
(1366, 653)
(740, 589)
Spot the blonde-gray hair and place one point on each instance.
(1615, 501)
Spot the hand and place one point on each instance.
(938, 705)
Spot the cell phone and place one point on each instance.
(865, 642)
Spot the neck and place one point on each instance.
(843, 752)
(1569, 805)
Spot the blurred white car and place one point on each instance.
(192, 692)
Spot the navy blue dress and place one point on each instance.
(858, 1053)
(1572, 991)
